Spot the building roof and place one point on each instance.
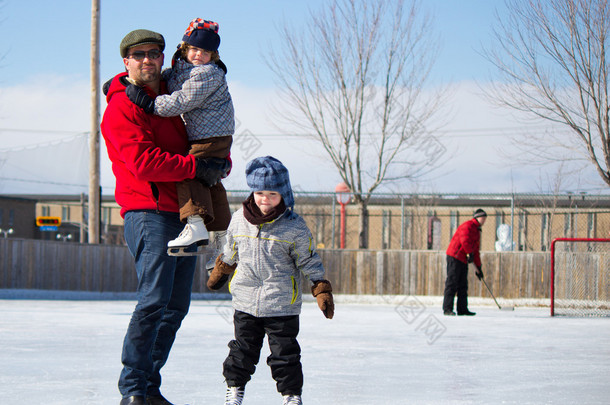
(441, 200)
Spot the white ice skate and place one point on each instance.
(292, 400)
(234, 396)
(194, 233)
(219, 239)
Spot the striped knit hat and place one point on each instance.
(268, 173)
(202, 34)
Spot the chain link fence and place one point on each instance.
(516, 222)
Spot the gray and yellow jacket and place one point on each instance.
(272, 260)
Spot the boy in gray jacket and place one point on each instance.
(269, 249)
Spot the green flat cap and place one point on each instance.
(140, 37)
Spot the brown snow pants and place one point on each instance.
(210, 202)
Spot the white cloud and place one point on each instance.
(47, 103)
(52, 108)
(44, 126)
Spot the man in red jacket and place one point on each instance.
(463, 249)
(149, 155)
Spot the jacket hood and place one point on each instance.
(115, 85)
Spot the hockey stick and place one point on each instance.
(492, 296)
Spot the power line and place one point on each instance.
(42, 182)
(46, 144)
(466, 132)
(41, 131)
(454, 133)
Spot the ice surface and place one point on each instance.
(398, 351)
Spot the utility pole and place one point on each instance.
(94, 140)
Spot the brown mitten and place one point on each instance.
(323, 292)
(220, 274)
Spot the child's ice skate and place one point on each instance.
(292, 400)
(219, 239)
(194, 233)
(234, 395)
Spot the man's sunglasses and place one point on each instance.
(140, 55)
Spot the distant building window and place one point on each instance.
(591, 225)
(568, 225)
(319, 228)
(11, 218)
(46, 211)
(106, 215)
(453, 223)
(498, 220)
(65, 213)
(1, 217)
(522, 231)
(434, 233)
(386, 229)
(406, 231)
(544, 231)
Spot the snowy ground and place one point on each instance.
(399, 351)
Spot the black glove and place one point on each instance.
(106, 86)
(479, 273)
(470, 257)
(210, 170)
(139, 97)
(221, 65)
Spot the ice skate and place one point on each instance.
(234, 395)
(219, 238)
(292, 400)
(194, 233)
(157, 400)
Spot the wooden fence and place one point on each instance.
(47, 265)
(409, 272)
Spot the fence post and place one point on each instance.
(512, 220)
(402, 222)
(333, 222)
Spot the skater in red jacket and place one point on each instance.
(149, 156)
(463, 249)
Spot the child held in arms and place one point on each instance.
(201, 96)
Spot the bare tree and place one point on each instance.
(354, 80)
(551, 55)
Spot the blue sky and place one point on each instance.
(45, 90)
(59, 32)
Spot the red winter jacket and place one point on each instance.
(467, 239)
(148, 152)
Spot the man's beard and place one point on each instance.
(148, 77)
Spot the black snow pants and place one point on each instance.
(456, 283)
(285, 357)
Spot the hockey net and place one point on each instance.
(580, 277)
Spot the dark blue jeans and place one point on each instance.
(164, 296)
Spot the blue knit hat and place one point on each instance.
(268, 173)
